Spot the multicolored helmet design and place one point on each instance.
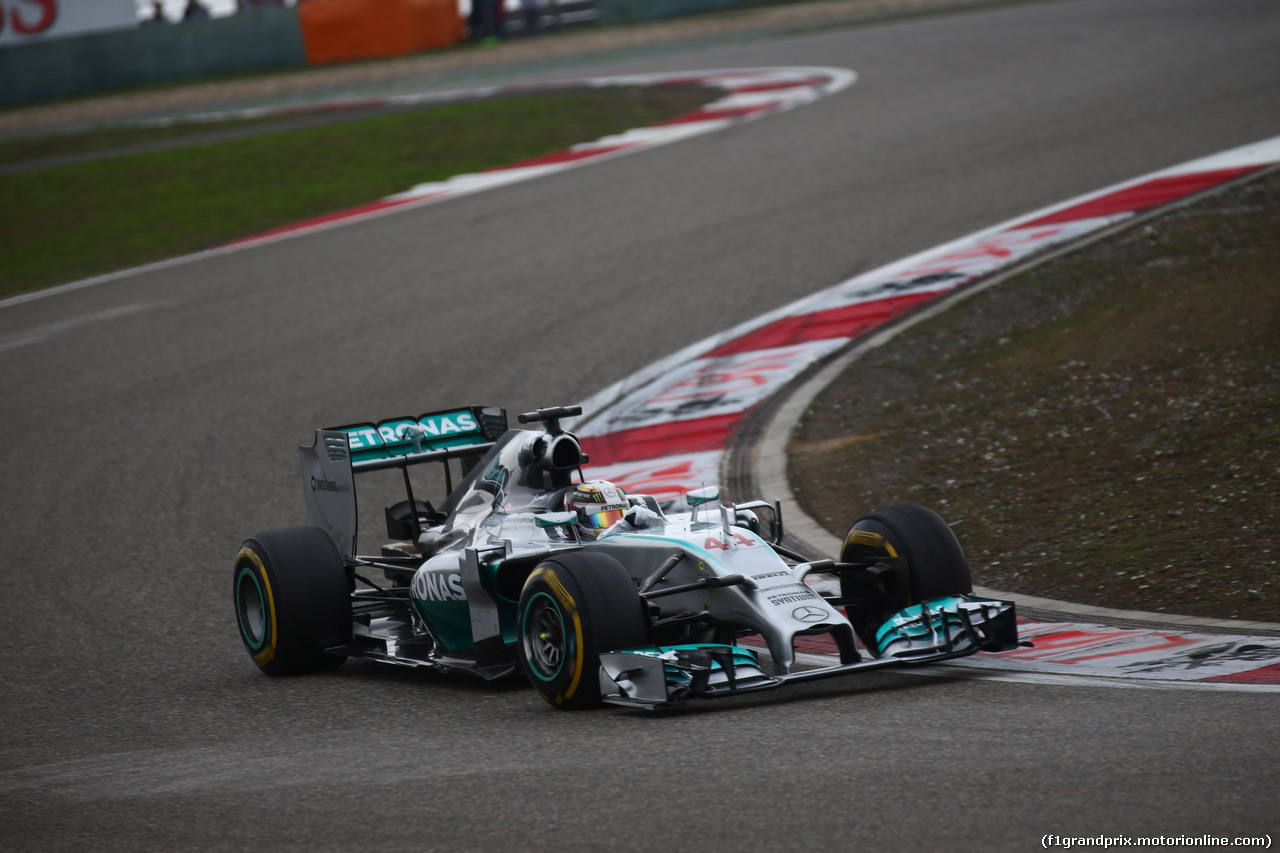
(599, 505)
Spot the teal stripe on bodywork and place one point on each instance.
(906, 623)
(741, 656)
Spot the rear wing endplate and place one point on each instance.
(329, 486)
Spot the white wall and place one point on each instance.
(23, 21)
(173, 8)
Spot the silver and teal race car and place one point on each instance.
(694, 600)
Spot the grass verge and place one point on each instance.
(67, 222)
(1103, 429)
(20, 149)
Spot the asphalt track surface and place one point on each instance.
(150, 425)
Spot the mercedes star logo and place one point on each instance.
(808, 613)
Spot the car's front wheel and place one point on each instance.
(573, 608)
(936, 565)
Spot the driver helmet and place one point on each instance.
(599, 505)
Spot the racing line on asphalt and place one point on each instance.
(663, 430)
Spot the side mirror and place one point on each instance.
(556, 519)
(762, 518)
(698, 497)
(560, 519)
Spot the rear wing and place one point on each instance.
(330, 464)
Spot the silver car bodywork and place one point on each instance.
(710, 574)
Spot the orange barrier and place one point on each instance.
(335, 30)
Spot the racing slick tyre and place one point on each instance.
(936, 565)
(293, 600)
(573, 608)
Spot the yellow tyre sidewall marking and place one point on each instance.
(265, 656)
(566, 600)
(870, 539)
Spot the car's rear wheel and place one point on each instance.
(573, 608)
(292, 598)
(936, 565)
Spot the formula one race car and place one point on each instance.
(649, 611)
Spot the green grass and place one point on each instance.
(67, 222)
(29, 148)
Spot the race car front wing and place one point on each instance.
(929, 632)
